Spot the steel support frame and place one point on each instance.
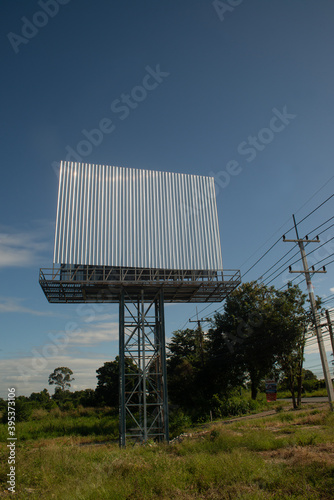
(143, 374)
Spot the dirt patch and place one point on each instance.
(315, 420)
(323, 453)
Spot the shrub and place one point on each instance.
(56, 412)
(39, 414)
(178, 423)
(23, 412)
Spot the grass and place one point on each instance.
(56, 424)
(307, 394)
(263, 458)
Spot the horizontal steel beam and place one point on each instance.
(84, 284)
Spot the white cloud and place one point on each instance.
(94, 334)
(18, 373)
(331, 290)
(23, 248)
(30, 373)
(14, 305)
(87, 332)
(313, 347)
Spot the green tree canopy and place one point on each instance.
(61, 377)
(107, 390)
(259, 325)
(188, 384)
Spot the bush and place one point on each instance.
(233, 405)
(56, 412)
(39, 414)
(23, 412)
(178, 423)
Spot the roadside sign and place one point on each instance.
(271, 390)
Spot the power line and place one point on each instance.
(331, 262)
(326, 229)
(262, 256)
(326, 183)
(264, 243)
(313, 195)
(259, 260)
(318, 227)
(308, 215)
(295, 262)
(291, 281)
(281, 267)
(313, 230)
(328, 256)
(278, 262)
(328, 299)
(302, 280)
(321, 204)
(317, 248)
(204, 308)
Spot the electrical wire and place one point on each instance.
(270, 268)
(308, 215)
(206, 307)
(295, 262)
(313, 195)
(276, 242)
(321, 204)
(328, 256)
(262, 256)
(294, 255)
(331, 262)
(328, 299)
(325, 229)
(326, 183)
(313, 230)
(290, 281)
(318, 227)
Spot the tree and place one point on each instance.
(188, 384)
(61, 377)
(309, 375)
(107, 390)
(23, 410)
(3, 405)
(291, 362)
(185, 344)
(86, 398)
(42, 399)
(258, 326)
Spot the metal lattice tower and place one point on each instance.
(143, 390)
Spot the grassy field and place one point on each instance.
(313, 394)
(286, 455)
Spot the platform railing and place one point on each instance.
(107, 274)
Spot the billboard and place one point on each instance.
(115, 216)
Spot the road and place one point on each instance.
(322, 399)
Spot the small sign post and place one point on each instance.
(271, 390)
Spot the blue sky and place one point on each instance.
(243, 93)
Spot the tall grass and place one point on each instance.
(271, 458)
(56, 424)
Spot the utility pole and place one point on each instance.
(330, 328)
(200, 335)
(306, 271)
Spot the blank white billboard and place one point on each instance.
(114, 216)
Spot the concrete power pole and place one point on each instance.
(330, 329)
(306, 271)
(200, 335)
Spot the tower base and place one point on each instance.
(143, 375)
